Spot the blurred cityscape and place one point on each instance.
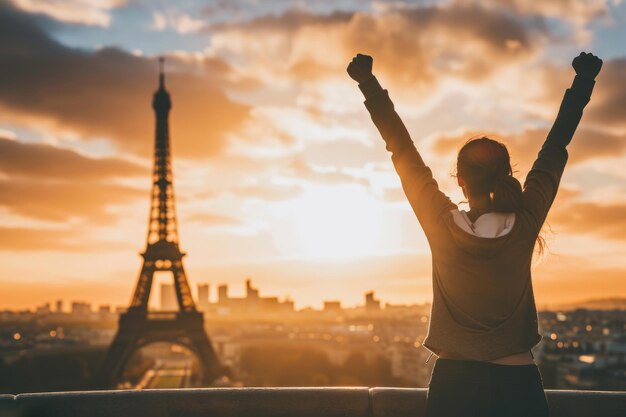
(265, 341)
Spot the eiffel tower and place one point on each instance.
(137, 326)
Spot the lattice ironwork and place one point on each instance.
(137, 327)
(162, 251)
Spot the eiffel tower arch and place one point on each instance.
(138, 326)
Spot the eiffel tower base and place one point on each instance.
(137, 329)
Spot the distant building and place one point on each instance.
(168, 298)
(222, 293)
(371, 304)
(252, 303)
(251, 293)
(203, 297)
(80, 308)
(59, 306)
(43, 309)
(332, 307)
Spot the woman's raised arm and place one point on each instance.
(422, 191)
(543, 180)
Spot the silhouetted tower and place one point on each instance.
(138, 326)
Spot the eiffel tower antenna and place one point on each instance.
(161, 72)
(162, 253)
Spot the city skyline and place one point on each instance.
(580, 348)
(165, 299)
(212, 292)
(279, 173)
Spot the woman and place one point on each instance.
(483, 321)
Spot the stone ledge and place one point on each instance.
(280, 402)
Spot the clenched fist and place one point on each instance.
(587, 65)
(360, 69)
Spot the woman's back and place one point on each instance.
(482, 290)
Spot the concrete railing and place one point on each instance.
(279, 402)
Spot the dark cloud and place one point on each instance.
(575, 10)
(108, 92)
(291, 20)
(62, 201)
(608, 106)
(44, 161)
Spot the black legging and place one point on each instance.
(476, 389)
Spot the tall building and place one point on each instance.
(43, 309)
(222, 293)
(203, 296)
(251, 292)
(80, 308)
(371, 304)
(168, 297)
(104, 311)
(332, 307)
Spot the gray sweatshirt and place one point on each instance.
(483, 304)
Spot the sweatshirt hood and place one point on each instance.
(484, 237)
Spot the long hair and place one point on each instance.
(485, 166)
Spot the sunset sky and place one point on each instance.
(280, 174)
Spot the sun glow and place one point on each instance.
(331, 222)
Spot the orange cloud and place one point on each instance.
(57, 184)
(61, 201)
(587, 144)
(302, 170)
(423, 44)
(22, 239)
(602, 220)
(267, 192)
(44, 161)
(394, 195)
(212, 219)
(414, 45)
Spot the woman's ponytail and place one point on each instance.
(485, 166)
(507, 194)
